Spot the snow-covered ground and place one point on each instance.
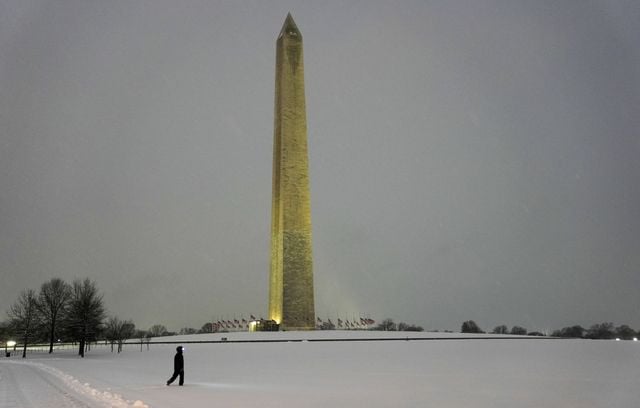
(409, 373)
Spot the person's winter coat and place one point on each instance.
(178, 361)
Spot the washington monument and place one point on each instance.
(291, 301)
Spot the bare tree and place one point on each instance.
(86, 312)
(470, 326)
(52, 300)
(157, 330)
(24, 317)
(118, 331)
(601, 331)
(187, 331)
(4, 332)
(111, 330)
(576, 331)
(386, 325)
(206, 328)
(127, 332)
(625, 332)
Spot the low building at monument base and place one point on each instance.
(263, 325)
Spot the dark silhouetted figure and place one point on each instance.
(178, 367)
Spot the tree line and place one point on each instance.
(605, 331)
(390, 325)
(599, 331)
(59, 310)
(73, 313)
(64, 312)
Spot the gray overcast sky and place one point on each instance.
(468, 159)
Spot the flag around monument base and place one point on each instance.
(291, 300)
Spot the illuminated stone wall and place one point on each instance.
(291, 301)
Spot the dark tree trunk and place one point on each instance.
(81, 348)
(24, 349)
(52, 338)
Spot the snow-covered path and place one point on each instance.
(27, 385)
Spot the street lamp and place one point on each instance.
(9, 343)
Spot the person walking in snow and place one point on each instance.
(178, 367)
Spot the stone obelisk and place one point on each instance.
(291, 302)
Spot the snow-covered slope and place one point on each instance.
(473, 372)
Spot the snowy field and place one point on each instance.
(440, 372)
